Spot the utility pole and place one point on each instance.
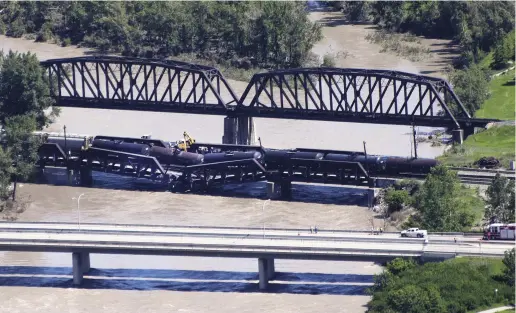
(366, 163)
(415, 142)
(66, 149)
(15, 176)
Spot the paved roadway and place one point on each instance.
(132, 239)
(322, 234)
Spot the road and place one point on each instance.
(226, 242)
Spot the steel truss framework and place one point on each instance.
(328, 94)
(354, 94)
(138, 84)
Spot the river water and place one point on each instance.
(41, 282)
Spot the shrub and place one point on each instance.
(410, 185)
(66, 42)
(329, 60)
(395, 199)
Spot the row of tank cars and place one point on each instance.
(167, 153)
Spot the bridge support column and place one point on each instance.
(77, 268)
(458, 136)
(80, 266)
(85, 262)
(263, 276)
(238, 130)
(271, 272)
(286, 189)
(86, 176)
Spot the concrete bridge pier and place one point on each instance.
(266, 272)
(81, 265)
(239, 130)
(86, 176)
(286, 189)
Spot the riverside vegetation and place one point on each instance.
(23, 102)
(453, 286)
(241, 35)
(442, 204)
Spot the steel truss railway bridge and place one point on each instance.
(325, 94)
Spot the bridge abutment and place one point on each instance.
(239, 130)
(458, 136)
(279, 189)
(266, 272)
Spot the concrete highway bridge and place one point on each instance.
(266, 245)
(324, 94)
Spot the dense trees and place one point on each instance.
(451, 286)
(266, 33)
(438, 204)
(477, 26)
(504, 51)
(500, 200)
(471, 86)
(24, 108)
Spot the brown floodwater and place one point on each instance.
(41, 282)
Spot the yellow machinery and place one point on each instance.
(186, 142)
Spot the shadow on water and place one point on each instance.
(207, 281)
(307, 193)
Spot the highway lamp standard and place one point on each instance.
(78, 210)
(263, 215)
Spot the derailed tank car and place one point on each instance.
(135, 148)
(170, 156)
(231, 156)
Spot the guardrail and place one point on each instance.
(320, 231)
(302, 238)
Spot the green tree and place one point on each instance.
(24, 89)
(438, 204)
(471, 86)
(508, 271)
(504, 51)
(500, 200)
(395, 199)
(21, 146)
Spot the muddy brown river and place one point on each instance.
(41, 282)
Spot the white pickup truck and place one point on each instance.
(414, 233)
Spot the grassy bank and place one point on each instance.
(496, 142)
(501, 104)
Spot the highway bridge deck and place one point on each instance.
(265, 245)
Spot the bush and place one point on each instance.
(410, 185)
(66, 42)
(508, 271)
(328, 60)
(45, 33)
(395, 199)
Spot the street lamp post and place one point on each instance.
(78, 210)
(263, 215)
